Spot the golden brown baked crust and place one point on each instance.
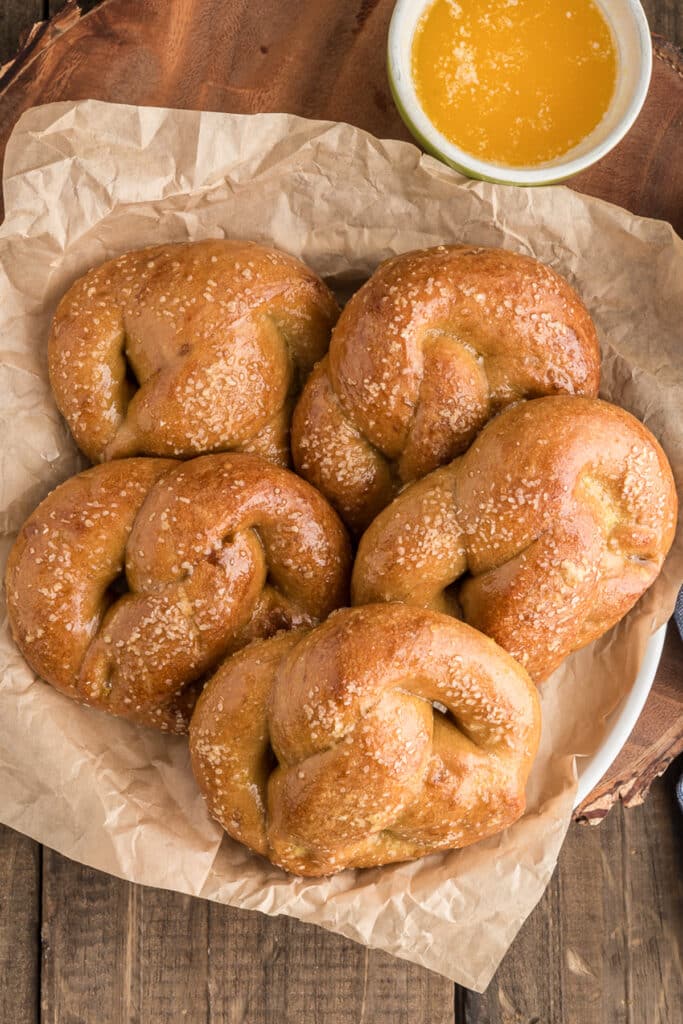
(435, 343)
(215, 551)
(561, 514)
(326, 751)
(179, 350)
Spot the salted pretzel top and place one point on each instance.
(131, 580)
(385, 734)
(561, 513)
(179, 350)
(434, 344)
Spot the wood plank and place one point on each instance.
(16, 19)
(115, 952)
(119, 952)
(604, 943)
(666, 17)
(638, 173)
(20, 866)
(290, 973)
(651, 852)
(53, 6)
(165, 977)
(85, 939)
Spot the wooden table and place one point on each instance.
(79, 947)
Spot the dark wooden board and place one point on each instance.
(603, 945)
(20, 883)
(665, 17)
(147, 956)
(645, 171)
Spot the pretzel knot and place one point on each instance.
(433, 345)
(180, 350)
(382, 735)
(131, 580)
(543, 535)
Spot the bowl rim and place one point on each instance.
(434, 142)
(619, 724)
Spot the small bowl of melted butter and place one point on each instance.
(523, 92)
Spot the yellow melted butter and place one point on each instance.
(516, 82)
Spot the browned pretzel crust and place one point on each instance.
(327, 751)
(434, 344)
(555, 522)
(179, 350)
(131, 580)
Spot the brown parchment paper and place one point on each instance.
(86, 181)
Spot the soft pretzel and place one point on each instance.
(131, 580)
(434, 344)
(179, 350)
(385, 734)
(554, 523)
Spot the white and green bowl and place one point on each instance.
(634, 68)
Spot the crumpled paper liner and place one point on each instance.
(86, 181)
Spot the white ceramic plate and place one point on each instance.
(621, 722)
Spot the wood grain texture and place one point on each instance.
(16, 17)
(294, 972)
(603, 946)
(85, 918)
(644, 173)
(16, 20)
(54, 6)
(113, 951)
(116, 952)
(666, 18)
(20, 868)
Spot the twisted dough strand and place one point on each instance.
(434, 344)
(215, 551)
(544, 534)
(180, 350)
(385, 734)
